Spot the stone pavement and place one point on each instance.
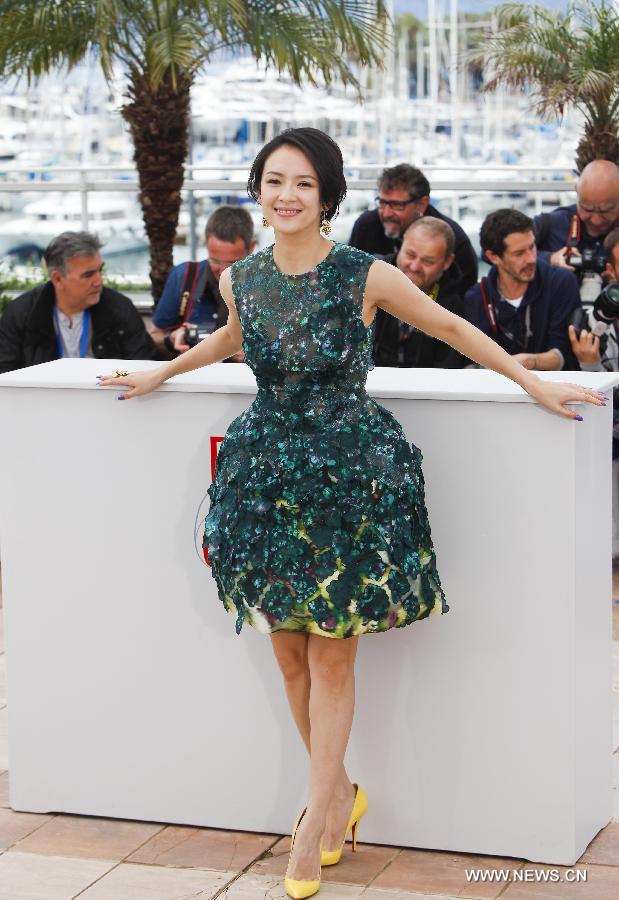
(60, 857)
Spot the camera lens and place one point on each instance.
(606, 307)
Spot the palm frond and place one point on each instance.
(309, 40)
(38, 37)
(562, 58)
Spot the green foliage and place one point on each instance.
(4, 298)
(164, 38)
(563, 58)
(11, 281)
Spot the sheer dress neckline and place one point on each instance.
(311, 271)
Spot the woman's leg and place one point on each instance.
(290, 650)
(331, 665)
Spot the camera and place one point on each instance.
(599, 317)
(197, 333)
(589, 267)
(590, 260)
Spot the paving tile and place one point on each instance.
(84, 836)
(602, 884)
(27, 877)
(373, 894)
(4, 740)
(208, 848)
(275, 861)
(254, 886)
(4, 789)
(16, 825)
(358, 868)
(361, 867)
(604, 848)
(436, 871)
(130, 881)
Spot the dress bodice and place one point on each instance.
(305, 332)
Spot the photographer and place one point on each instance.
(594, 336)
(523, 304)
(572, 237)
(72, 314)
(191, 306)
(403, 198)
(426, 257)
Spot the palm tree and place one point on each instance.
(161, 45)
(565, 59)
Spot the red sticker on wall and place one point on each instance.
(215, 442)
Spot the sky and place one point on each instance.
(419, 7)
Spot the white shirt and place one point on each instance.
(71, 334)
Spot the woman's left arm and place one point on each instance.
(391, 290)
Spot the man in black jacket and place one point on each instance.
(569, 230)
(403, 198)
(426, 257)
(72, 314)
(524, 304)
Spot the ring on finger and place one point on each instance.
(120, 373)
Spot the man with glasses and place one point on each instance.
(191, 295)
(571, 231)
(72, 314)
(403, 197)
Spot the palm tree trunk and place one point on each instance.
(158, 118)
(599, 141)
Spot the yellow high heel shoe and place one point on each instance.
(331, 857)
(296, 888)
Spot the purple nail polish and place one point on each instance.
(122, 397)
(578, 418)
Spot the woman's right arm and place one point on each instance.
(218, 346)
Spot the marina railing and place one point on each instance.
(457, 179)
(460, 188)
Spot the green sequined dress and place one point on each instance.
(317, 519)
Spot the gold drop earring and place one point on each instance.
(265, 224)
(325, 224)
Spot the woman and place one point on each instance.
(317, 530)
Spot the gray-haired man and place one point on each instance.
(72, 314)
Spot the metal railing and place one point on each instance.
(459, 181)
(84, 182)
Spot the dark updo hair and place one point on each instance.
(323, 153)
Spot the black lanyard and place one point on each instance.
(491, 315)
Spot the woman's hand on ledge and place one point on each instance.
(555, 394)
(140, 383)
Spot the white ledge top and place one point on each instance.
(237, 378)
